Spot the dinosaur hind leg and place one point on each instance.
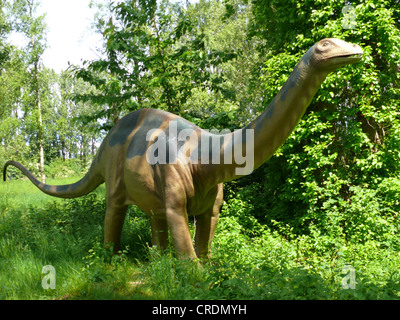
(113, 223)
(205, 227)
(159, 230)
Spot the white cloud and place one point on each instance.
(69, 38)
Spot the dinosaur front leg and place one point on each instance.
(113, 222)
(179, 227)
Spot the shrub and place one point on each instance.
(59, 168)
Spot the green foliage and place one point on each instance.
(156, 56)
(167, 277)
(25, 20)
(251, 260)
(68, 236)
(36, 110)
(4, 30)
(333, 171)
(327, 199)
(63, 169)
(97, 262)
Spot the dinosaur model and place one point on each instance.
(169, 187)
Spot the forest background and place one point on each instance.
(326, 203)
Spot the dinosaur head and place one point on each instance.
(330, 54)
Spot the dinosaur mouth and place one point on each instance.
(352, 55)
(346, 57)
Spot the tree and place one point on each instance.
(33, 27)
(12, 73)
(225, 25)
(155, 56)
(349, 138)
(4, 30)
(80, 142)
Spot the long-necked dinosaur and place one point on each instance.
(170, 190)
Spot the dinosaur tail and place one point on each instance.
(87, 184)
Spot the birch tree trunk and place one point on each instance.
(36, 85)
(40, 126)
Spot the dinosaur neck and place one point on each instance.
(284, 112)
(263, 136)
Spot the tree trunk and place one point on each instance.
(83, 150)
(93, 147)
(37, 94)
(40, 125)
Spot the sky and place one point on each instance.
(69, 36)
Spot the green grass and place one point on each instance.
(250, 260)
(38, 230)
(20, 193)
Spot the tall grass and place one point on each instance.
(250, 260)
(38, 230)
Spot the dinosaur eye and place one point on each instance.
(326, 44)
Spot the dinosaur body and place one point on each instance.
(184, 174)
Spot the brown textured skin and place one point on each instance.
(170, 192)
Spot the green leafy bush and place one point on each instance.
(60, 168)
